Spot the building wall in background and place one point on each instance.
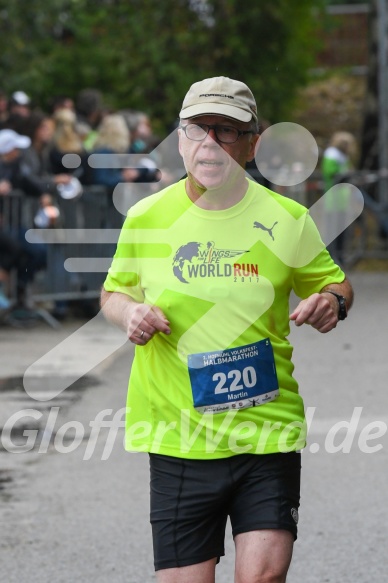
(345, 42)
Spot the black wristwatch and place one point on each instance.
(342, 310)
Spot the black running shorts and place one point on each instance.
(192, 499)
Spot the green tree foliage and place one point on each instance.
(336, 2)
(144, 54)
(268, 45)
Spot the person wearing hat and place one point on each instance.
(17, 113)
(10, 145)
(20, 104)
(12, 255)
(200, 282)
(10, 141)
(28, 258)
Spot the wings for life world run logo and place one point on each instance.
(194, 260)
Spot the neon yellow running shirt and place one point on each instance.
(223, 280)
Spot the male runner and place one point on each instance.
(201, 282)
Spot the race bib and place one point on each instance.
(235, 378)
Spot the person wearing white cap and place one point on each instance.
(17, 113)
(11, 140)
(10, 249)
(200, 283)
(20, 104)
(10, 145)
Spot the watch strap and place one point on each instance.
(342, 310)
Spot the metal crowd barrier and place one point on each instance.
(373, 223)
(10, 220)
(10, 211)
(93, 210)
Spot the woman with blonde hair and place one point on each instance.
(113, 134)
(66, 136)
(113, 138)
(338, 157)
(67, 140)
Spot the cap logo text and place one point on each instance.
(216, 95)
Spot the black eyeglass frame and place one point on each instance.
(214, 127)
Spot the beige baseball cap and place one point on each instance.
(220, 96)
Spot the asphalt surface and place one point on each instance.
(77, 510)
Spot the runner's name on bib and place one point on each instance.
(235, 378)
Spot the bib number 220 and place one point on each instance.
(247, 376)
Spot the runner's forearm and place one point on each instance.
(116, 307)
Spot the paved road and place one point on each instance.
(65, 518)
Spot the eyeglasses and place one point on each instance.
(224, 134)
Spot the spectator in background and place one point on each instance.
(62, 102)
(48, 214)
(337, 163)
(337, 159)
(12, 256)
(3, 107)
(113, 137)
(36, 166)
(45, 183)
(139, 125)
(141, 134)
(11, 177)
(144, 141)
(15, 251)
(67, 140)
(90, 111)
(19, 110)
(11, 253)
(20, 103)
